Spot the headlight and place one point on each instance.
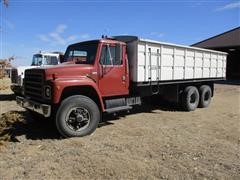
(47, 91)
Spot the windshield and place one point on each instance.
(39, 60)
(82, 53)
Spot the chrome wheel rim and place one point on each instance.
(78, 118)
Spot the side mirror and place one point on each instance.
(119, 53)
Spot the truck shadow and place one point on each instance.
(229, 82)
(149, 106)
(7, 97)
(17, 123)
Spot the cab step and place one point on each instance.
(117, 109)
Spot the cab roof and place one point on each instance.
(96, 41)
(47, 54)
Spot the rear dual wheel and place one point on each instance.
(205, 96)
(190, 98)
(193, 98)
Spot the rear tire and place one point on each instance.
(77, 116)
(205, 96)
(190, 98)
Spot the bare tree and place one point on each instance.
(5, 63)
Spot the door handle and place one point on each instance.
(123, 78)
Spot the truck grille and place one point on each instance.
(33, 83)
(14, 76)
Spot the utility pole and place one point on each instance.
(5, 2)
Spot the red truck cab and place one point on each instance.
(98, 64)
(92, 71)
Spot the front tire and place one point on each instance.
(77, 116)
(190, 98)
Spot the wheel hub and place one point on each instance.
(77, 118)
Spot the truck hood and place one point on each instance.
(67, 71)
(21, 70)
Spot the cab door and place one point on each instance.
(113, 80)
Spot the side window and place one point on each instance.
(54, 60)
(103, 59)
(108, 56)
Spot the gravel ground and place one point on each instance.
(151, 142)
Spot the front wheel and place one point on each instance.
(77, 116)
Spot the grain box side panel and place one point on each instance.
(167, 62)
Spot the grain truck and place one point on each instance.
(114, 74)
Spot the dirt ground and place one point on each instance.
(151, 142)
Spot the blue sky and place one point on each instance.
(28, 26)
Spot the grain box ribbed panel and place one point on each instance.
(157, 61)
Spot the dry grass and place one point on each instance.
(149, 143)
(4, 83)
(3, 87)
(7, 125)
(1, 73)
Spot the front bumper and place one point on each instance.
(42, 109)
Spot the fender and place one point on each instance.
(60, 84)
